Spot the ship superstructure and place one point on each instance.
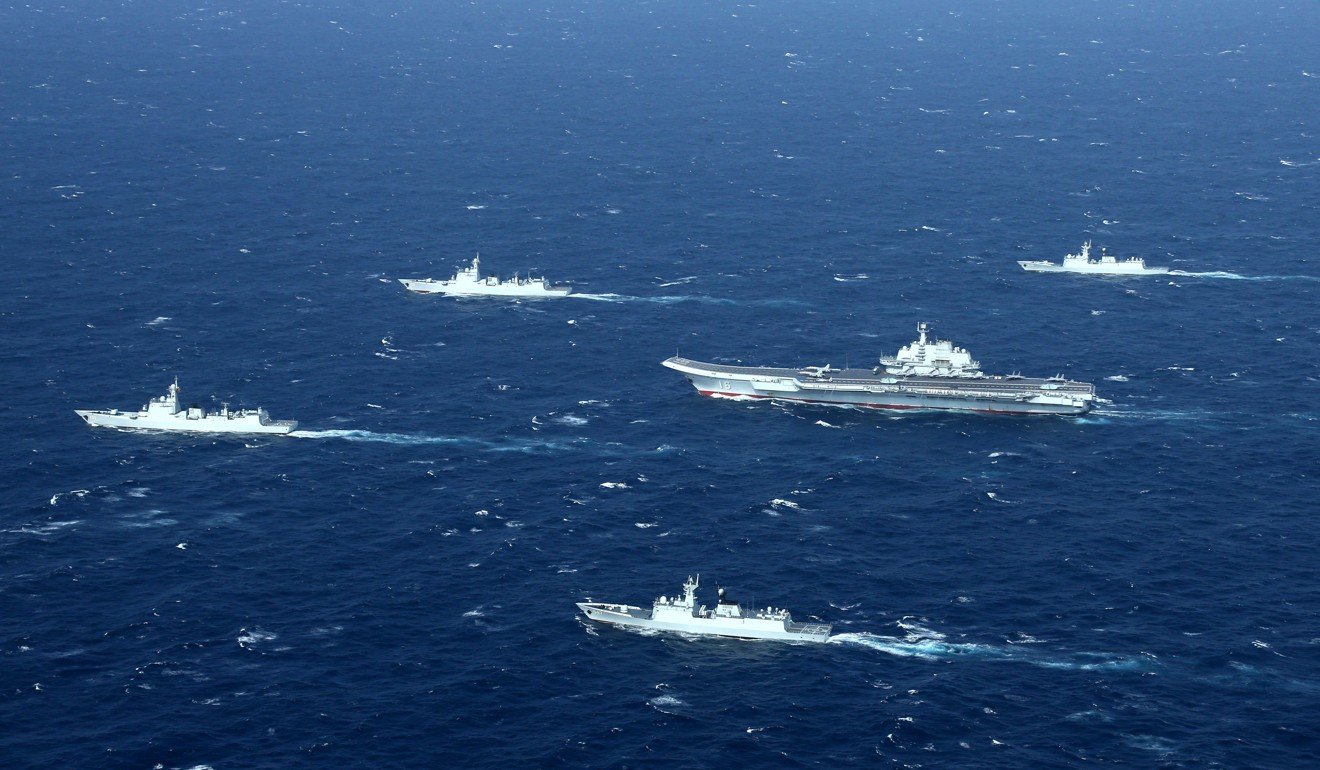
(469, 282)
(727, 618)
(1105, 265)
(926, 374)
(167, 413)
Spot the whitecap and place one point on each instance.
(48, 528)
(78, 493)
(1153, 743)
(665, 703)
(916, 631)
(733, 397)
(781, 503)
(248, 639)
(146, 519)
(613, 485)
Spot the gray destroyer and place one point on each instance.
(927, 374)
(726, 618)
(1105, 265)
(469, 282)
(167, 413)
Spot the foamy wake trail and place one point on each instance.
(411, 439)
(672, 300)
(1239, 277)
(938, 649)
(1099, 415)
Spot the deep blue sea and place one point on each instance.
(227, 192)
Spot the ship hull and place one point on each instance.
(181, 424)
(502, 290)
(865, 389)
(731, 628)
(1049, 267)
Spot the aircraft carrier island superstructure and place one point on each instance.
(927, 374)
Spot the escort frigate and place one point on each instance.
(927, 374)
(1105, 265)
(469, 282)
(166, 413)
(726, 618)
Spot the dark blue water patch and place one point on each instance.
(228, 194)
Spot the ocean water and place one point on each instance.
(226, 192)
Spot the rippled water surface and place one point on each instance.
(227, 193)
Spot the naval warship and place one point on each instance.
(927, 374)
(468, 282)
(726, 618)
(166, 413)
(1105, 265)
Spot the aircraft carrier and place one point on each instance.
(927, 374)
